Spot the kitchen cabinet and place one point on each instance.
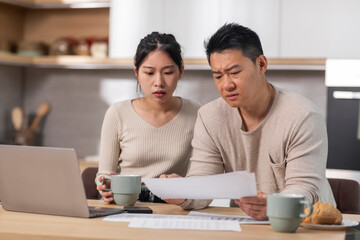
(288, 29)
(190, 21)
(261, 16)
(320, 29)
(47, 20)
(33, 24)
(132, 20)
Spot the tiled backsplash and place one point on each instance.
(79, 98)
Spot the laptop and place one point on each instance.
(44, 180)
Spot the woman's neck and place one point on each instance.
(174, 103)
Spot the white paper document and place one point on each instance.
(129, 217)
(240, 219)
(190, 224)
(193, 215)
(232, 185)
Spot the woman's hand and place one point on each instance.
(172, 201)
(255, 207)
(107, 195)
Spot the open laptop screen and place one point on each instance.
(42, 180)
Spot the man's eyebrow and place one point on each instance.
(227, 69)
(232, 67)
(215, 72)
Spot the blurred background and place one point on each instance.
(63, 62)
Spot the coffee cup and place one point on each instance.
(125, 188)
(285, 211)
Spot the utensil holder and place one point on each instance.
(24, 137)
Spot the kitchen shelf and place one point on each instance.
(87, 62)
(57, 4)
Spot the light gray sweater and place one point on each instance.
(130, 145)
(287, 151)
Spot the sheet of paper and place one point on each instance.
(232, 185)
(129, 217)
(190, 224)
(240, 219)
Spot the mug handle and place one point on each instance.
(103, 182)
(309, 205)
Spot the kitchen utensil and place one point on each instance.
(42, 110)
(17, 118)
(24, 137)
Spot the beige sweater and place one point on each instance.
(130, 145)
(287, 151)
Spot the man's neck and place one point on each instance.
(254, 114)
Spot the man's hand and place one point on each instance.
(172, 201)
(107, 195)
(255, 207)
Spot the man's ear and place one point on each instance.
(262, 63)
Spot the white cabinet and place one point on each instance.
(129, 21)
(321, 28)
(262, 16)
(191, 21)
(344, 30)
(287, 28)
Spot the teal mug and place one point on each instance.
(285, 211)
(125, 188)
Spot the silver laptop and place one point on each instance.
(44, 180)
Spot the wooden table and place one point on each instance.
(15, 225)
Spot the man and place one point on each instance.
(256, 127)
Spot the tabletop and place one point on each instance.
(16, 225)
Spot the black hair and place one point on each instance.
(234, 36)
(158, 41)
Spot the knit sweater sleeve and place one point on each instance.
(306, 158)
(206, 160)
(109, 144)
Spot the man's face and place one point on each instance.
(236, 77)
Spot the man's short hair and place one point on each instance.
(234, 36)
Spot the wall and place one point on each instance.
(79, 98)
(39, 24)
(310, 84)
(11, 22)
(10, 96)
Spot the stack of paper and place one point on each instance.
(194, 224)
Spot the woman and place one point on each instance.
(149, 136)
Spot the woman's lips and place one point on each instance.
(159, 94)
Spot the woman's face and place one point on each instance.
(158, 76)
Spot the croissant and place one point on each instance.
(323, 213)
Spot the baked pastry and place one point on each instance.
(323, 213)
